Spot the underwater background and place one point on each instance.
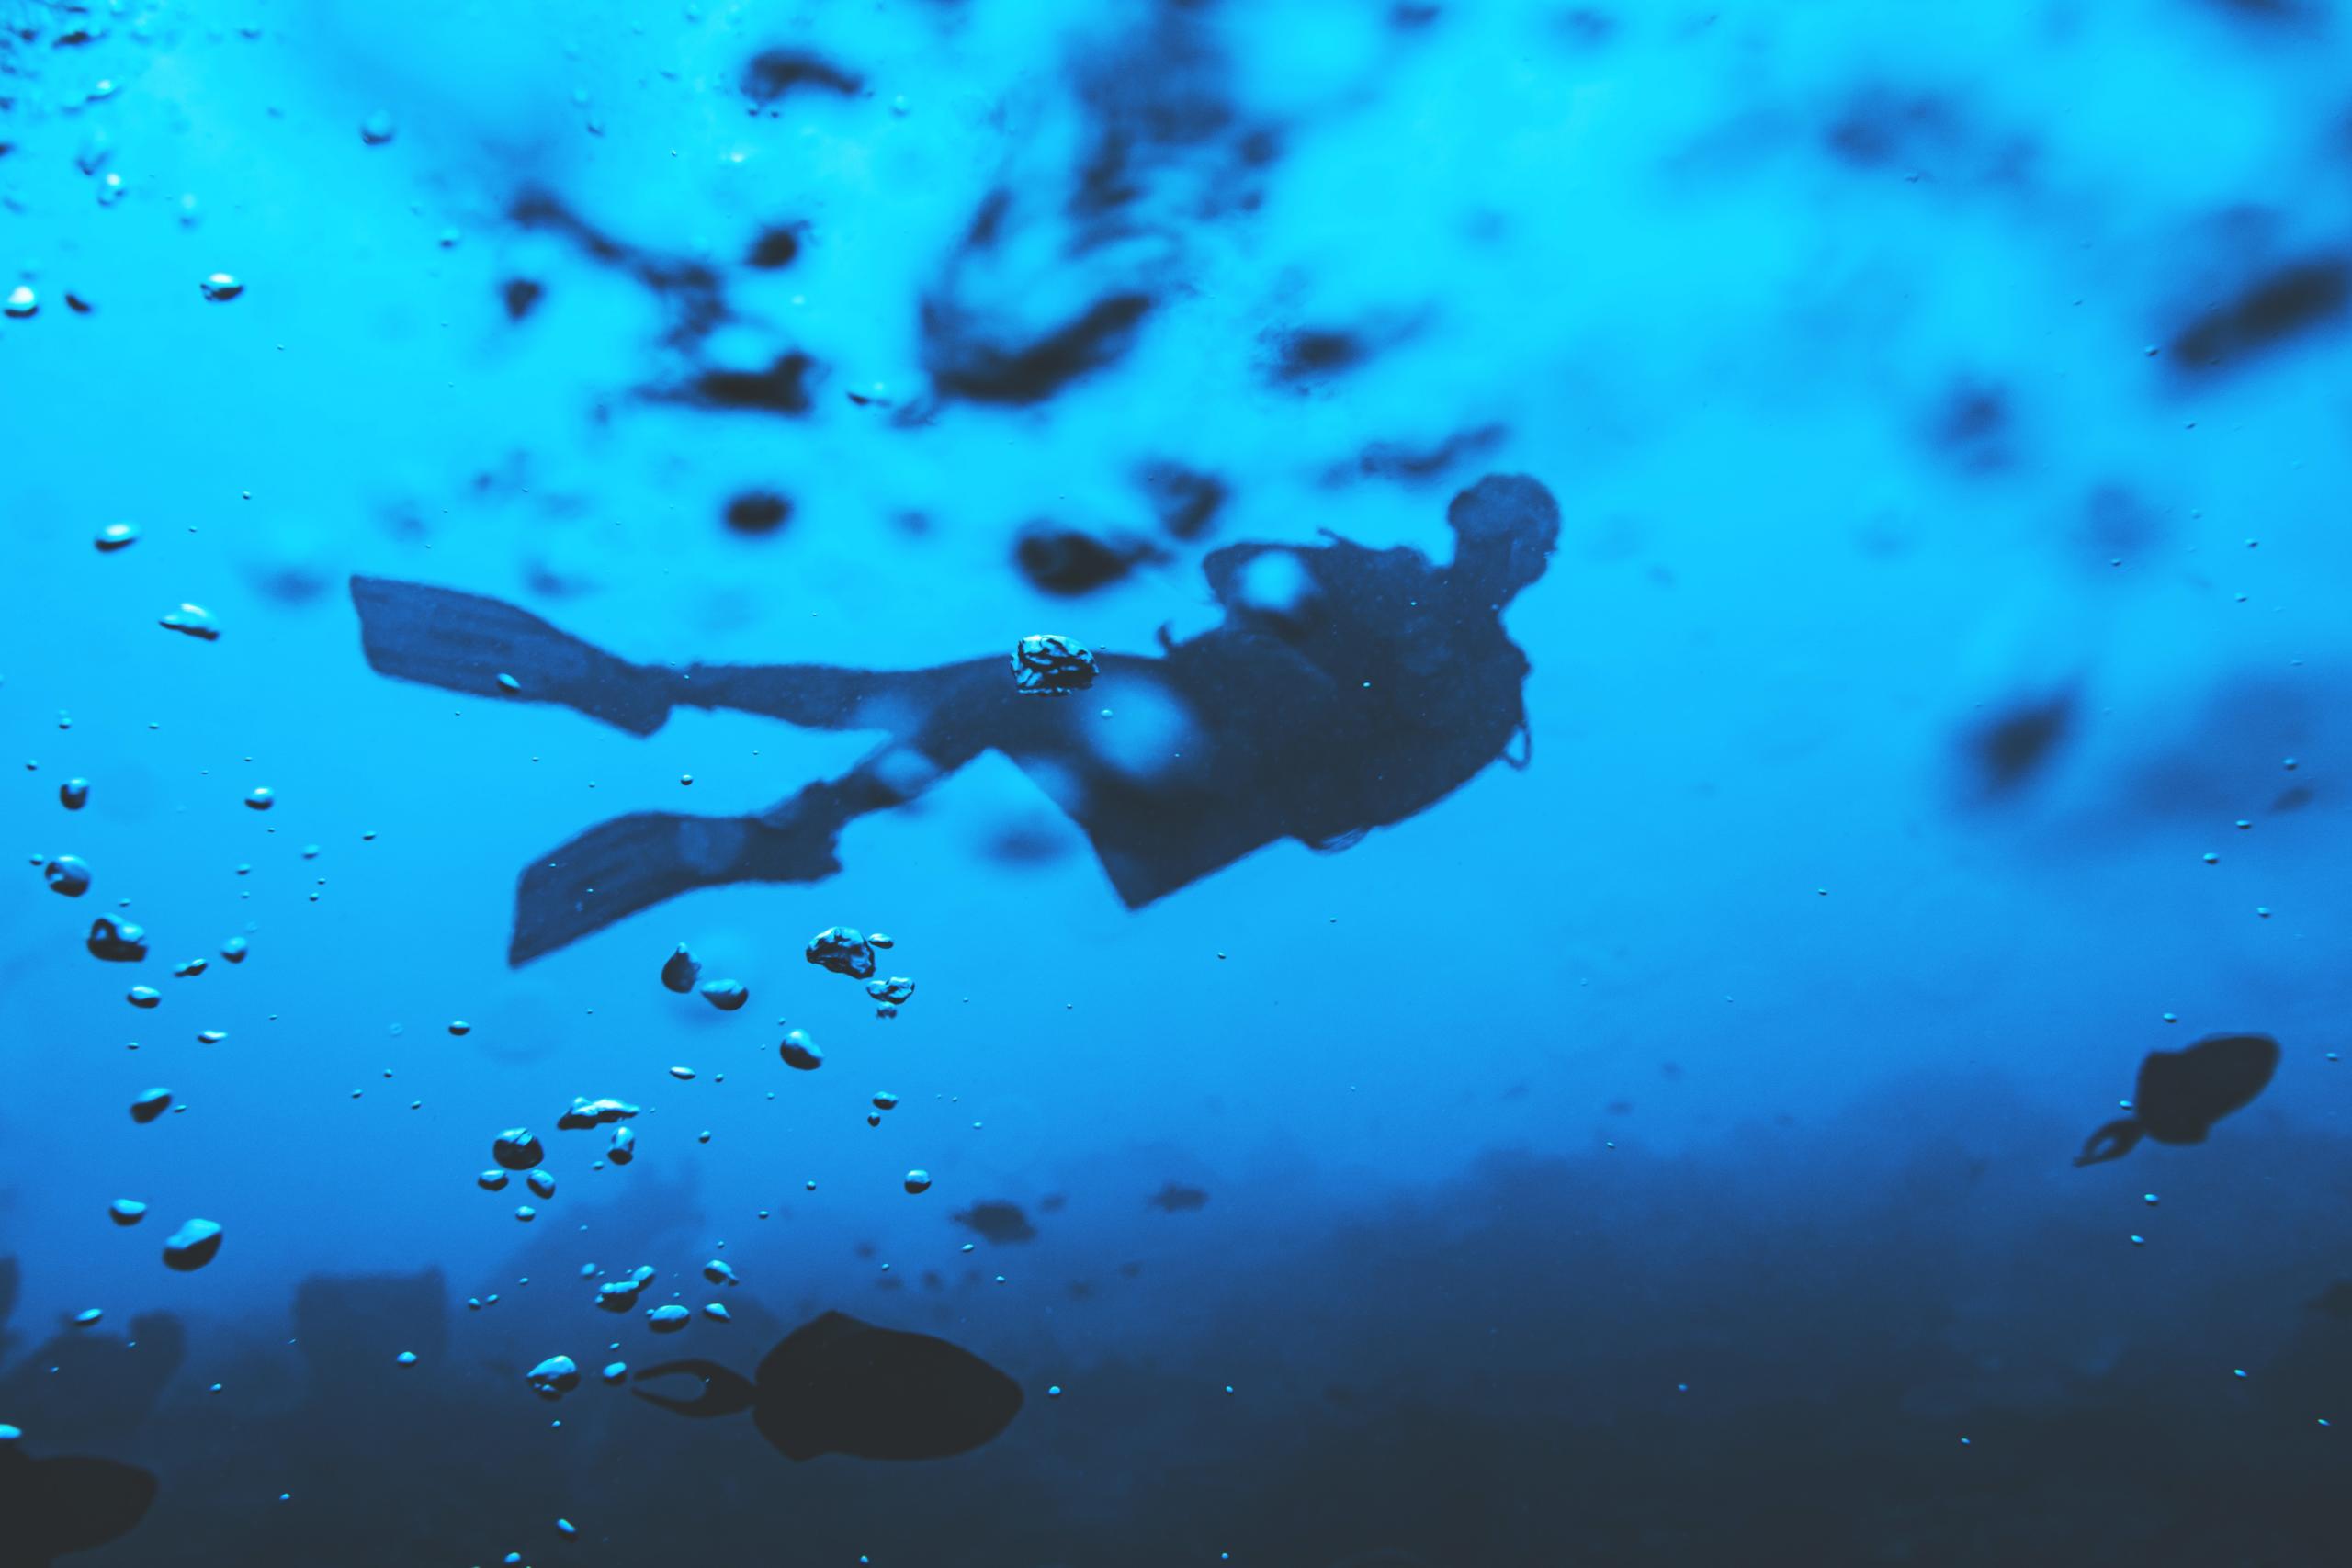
(1940, 699)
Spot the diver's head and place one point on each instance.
(1504, 530)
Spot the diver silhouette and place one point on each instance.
(1345, 689)
(2180, 1094)
(838, 1385)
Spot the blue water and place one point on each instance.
(1658, 1154)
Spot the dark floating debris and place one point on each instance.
(773, 73)
(192, 620)
(143, 996)
(117, 536)
(221, 288)
(839, 1386)
(1176, 1198)
(727, 996)
(1048, 664)
(1187, 501)
(192, 1245)
(775, 248)
(542, 1185)
(126, 1211)
(191, 968)
(259, 799)
(234, 949)
(73, 794)
(2180, 1094)
(68, 875)
(894, 991)
(493, 1180)
(679, 971)
(668, 1319)
(719, 1272)
(150, 1105)
(757, 512)
(517, 1148)
(799, 1050)
(378, 129)
(918, 1181)
(587, 1114)
(843, 950)
(1069, 561)
(997, 1223)
(623, 1147)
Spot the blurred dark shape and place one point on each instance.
(964, 362)
(521, 295)
(1129, 1270)
(1974, 426)
(1070, 561)
(1052, 1203)
(2294, 797)
(291, 584)
(1346, 689)
(1186, 500)
(2225, 753)
(757, 512)
(2334, 1302)
(997, 1222)
(52, 1506)
(81, 1387)
(837, 1385)
(1407, 17)
(1583, 25)
(1879, 128)
(1394, 460)
(1176, 1198)
(782, 387)
(775, 247)
(773, 73)
(2118, 523)
(1026, 845)
(2182, 1093)
(1079, 1290)
(1308, 354)
(695, 293)
(2275, 12)
(2013, 747)
(2291, 299)
(1156, 94)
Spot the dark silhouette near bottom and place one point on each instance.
(838, 1386)
(2181, 1094)
(51, 1507)
(1346, 689)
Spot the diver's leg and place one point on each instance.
(826, 696)
(636, 861)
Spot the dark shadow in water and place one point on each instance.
(1346, 689)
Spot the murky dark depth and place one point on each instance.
(1317, 785)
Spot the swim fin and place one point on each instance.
(633, 863)
(465, 642)
(724, 1391)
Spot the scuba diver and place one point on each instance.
(1345, 689)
